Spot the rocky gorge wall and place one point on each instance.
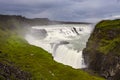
(102, 53)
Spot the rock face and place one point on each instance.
(102, 53)
(8, 72)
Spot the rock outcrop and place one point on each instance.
(10, 72)
(102, 53)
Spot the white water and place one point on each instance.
(64, 41)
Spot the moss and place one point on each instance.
(103, 49)
(105, 37)
(107, 24)
(108, 46)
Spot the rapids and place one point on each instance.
(64, 41)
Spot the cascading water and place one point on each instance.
(64, 41)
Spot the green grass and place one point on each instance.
(15, 51)
(108, 46)
(109, 24)
(38, 62)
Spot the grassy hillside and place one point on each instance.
(21, 61)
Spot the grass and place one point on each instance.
(108, 46)
(37, 61)
(15, 51)
(109, 24)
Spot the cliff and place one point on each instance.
(102, 53)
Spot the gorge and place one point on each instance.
(95, 48)
(64, 41)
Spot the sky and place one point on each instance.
(63, 10)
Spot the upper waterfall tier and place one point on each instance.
(64, 41)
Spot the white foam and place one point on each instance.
(70, 51)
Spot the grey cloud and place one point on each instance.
(67, 10)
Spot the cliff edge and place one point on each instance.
(102, 52)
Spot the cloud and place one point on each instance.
(113, 17)
(67, 10)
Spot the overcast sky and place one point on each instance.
(66, 10)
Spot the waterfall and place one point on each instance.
(64, 41)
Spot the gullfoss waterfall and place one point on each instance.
(64, 41)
